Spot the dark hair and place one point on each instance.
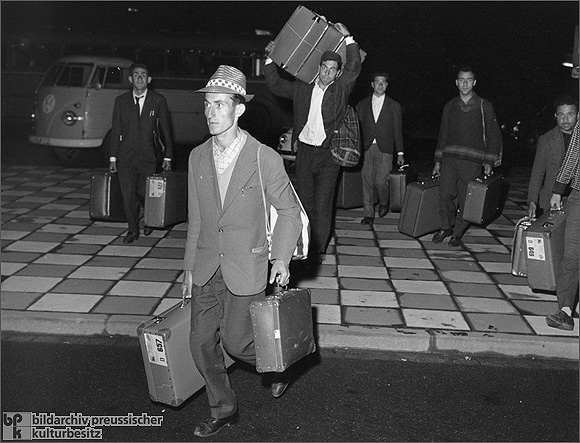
(138, 65)
(238, 99)
(380, 74)
(566, 99)
(466, 68)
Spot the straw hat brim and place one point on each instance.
(223, 90)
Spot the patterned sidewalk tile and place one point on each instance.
(65, 303)
(423, 318)
(369, 298)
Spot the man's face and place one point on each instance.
(221, 112)
(379, 85)
(327, 72)
(566, 116)
(140, 79)
(465, 82)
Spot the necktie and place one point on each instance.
(137, 105)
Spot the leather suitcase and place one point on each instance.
(544, 249)
(283, 329)
(106, 198)
(420, 212)
(301, 42)
(349, 190)
(483, 203)
(519, 267)
(165, 199)
(172, 376)
(398, 181)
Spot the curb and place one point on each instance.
(329, 336)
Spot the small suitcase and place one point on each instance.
(544, 249)
(519, 267)
(420, 212)
(349, 192)
(283, 329)
(165, 199)
(302, 41)
(172, 376)
(106, 197)
(483, 203)
(398, 186)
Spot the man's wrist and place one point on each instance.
(112, 159)
(400, 153)
(166, 159)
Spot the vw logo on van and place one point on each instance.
(48, 104)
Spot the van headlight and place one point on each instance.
(70, 118)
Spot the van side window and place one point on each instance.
(98, 76)
(74, 75)
(117, 78)
(52, 74)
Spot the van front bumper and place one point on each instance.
(65, 142)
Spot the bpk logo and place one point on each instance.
(16, 425)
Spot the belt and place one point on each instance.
(310, 146)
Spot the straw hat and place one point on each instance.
(227, 80)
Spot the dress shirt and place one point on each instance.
(313, 132)
(377, 104)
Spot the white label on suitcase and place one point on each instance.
(155, 349)
(535, 248)
(156, 187)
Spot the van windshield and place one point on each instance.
(68, 74)
(111, 77)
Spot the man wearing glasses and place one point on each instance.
(469, 138)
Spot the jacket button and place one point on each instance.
(220, 230)
(221, 254)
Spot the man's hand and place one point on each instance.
(556, 201)
(187, 284)
(343, 30)
(436, 170)
(280, 273)
(532, 209)
(400, 160)
(166, 165)
(487, 169)
(113, 166)
(269, 48)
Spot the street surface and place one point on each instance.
(339, 395)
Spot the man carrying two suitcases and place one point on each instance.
(226, 254)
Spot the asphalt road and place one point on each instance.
(339, 395)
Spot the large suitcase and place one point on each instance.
(283, 329)
(420, 212)
(519, 267)
(106, 197)
(483, 203)
(165, 199)
(398, 181)
(544, 249)
(349, 192)
(303, 40)
(172, 376)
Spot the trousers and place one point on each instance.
(133, 182)
(376, 170)
(567, 278)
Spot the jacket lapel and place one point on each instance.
(210, 179)
(244, 168)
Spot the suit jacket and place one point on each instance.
(549, 155)
(334, 100)
(132, 136)
(233, 236)
(388, 130)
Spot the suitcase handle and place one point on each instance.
(403, 167)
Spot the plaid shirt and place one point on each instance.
(224, 158)
(568, 172)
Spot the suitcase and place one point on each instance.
(349, 192)
(519, 267)
(302, 41)
(165, 199)
(172, 376)
(544, 249)
(106, 198)
(420, 211)
(398, 181)
(483, 203)
(283, 329)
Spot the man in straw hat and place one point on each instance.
(317, 107)
(226, 254)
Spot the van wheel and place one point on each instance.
(67, 155)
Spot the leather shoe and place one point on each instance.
(367, 221)
(211, 426)
(147, 231)
(454, 241)
(383, 210)
(130, 237)
(278, 388)
(441, 234)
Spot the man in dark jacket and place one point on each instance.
(137, 115)
(317, 108)
(381, 126)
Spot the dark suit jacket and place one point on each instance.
(388, 130)
(233, 236)
(549, 155)
(335, 97)
(132, 137)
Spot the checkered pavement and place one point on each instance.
(55, 259)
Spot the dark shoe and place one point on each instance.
(560, 320)
(211, 426)
(278, 388)
(455, 242)
(441, 234)
(147, 231)
(367, 221)
(131, 237)
(383, 210)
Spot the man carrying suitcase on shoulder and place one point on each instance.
(226, 253)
